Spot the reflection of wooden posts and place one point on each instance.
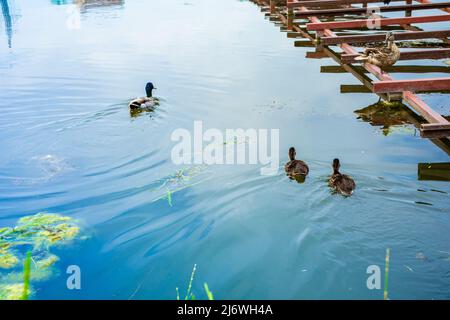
(434, 171)
(354, 88)
(272, 6)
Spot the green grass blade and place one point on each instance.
(188, 293)
(208, 292)
(386, 274)
(169, 197)
(26, 277)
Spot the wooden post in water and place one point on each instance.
(290, 15)
(272, 6)
(408, 13)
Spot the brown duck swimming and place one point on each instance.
(296, 169)
(383, 56)
(341, 183)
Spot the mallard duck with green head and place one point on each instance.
(148, 102)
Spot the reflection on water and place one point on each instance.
(388, 115)
(86, 4)
(395, 117)
(8, 21)
(73, 149)
(434, 171)
(134, 113)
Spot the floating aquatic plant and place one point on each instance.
(11, 291)
(7, 259)
(169, 197)
(36, 234)
(178, 181)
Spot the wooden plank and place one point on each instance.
(381, 37)
(344, 11)
(318, 26)
(353, 88)
(304, 44)
(365, 80)
(393, 69)
(408, 55)
(428, 1)
(316, 55)
(422, 108)
(294, 35)
(348, 49)
(435, 134)
(328, 3)
(411, 85)
(435, 126)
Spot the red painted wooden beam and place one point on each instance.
(428, 1)
(382, 22)
(344, 11)
(435, 126)
(381, 37)
(407, 55)
(411, 85)
(422, 108)
(325, 3)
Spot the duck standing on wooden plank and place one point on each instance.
(383, 56)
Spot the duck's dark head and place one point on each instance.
(149, 88)
(336, 165)
(292, 153)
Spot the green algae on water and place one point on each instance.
(11, 291)
(40, 230)
(36, 234)
(7, 259)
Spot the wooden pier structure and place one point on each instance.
(349, 24)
